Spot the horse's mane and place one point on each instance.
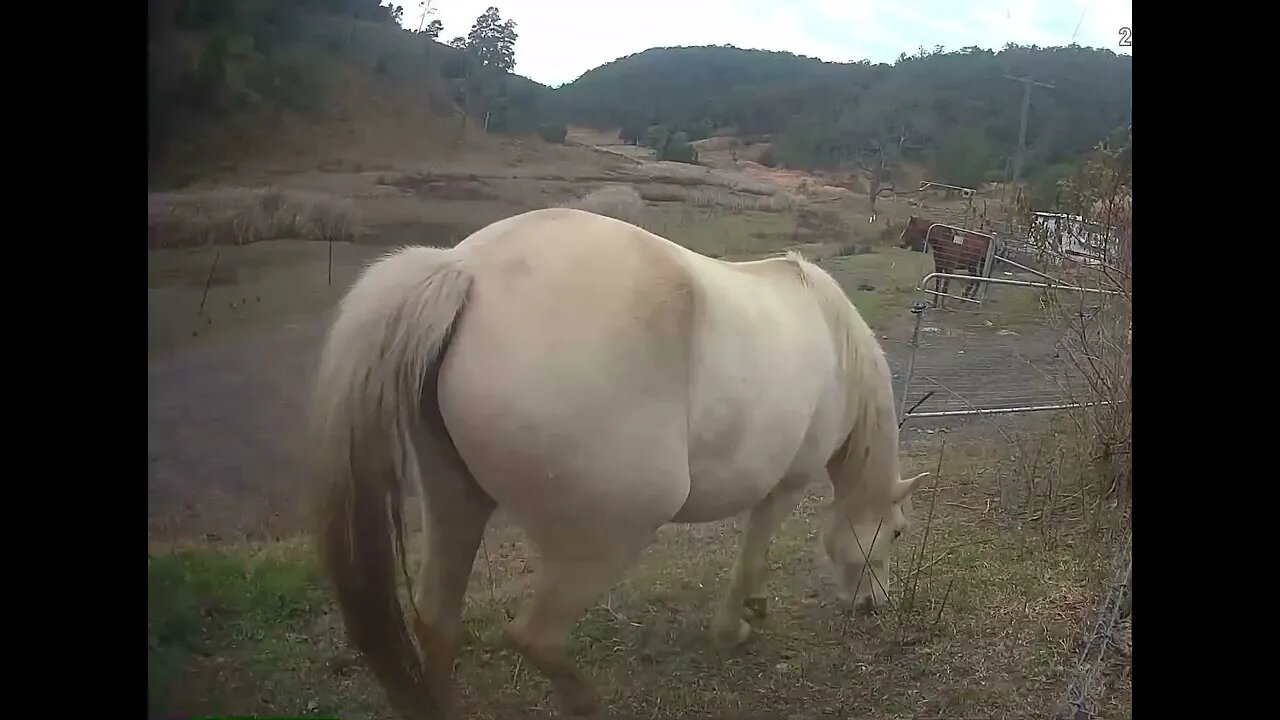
(869, 382)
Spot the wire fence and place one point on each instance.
(1077, 704)
(1033, 330)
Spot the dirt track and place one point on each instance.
(223, 424)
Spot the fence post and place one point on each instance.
(917, 309)
(989, 263)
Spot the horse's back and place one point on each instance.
(599, 366)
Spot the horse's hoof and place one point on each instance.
(731, 635)
(757, 606)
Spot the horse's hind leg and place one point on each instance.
(747, 583)
(570, 580)
(456, 512)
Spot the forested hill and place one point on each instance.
(317, 82)
(956, 111)
(320, 81)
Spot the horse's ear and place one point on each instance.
(906, 487)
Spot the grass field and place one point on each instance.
(882, 284)
(991, 595)
(250, 287)
(995, 584)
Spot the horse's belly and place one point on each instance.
(721, 492)
(760, 386)
(727, 478)
(745, 438)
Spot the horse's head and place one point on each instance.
(913, 234)
(859, 539)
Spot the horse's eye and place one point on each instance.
(897, 534)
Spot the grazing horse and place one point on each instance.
(953, 250)
(597, 382)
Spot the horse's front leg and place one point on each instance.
(746, 584)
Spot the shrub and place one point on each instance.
(555, 133)
(622, 202)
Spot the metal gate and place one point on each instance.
(999, 357)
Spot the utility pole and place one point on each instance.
(1022, 130)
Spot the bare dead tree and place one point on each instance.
(879, 165)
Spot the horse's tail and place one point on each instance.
(390, 332)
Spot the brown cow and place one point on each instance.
(954, 249)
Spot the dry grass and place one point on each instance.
(991, 594)
(241, 216)
(622, 202)
(1096, 329)
(712, 196)
(674, 173)
(716, 197)
(717, 143)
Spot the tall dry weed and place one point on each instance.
(240, 216)
(1096, 328)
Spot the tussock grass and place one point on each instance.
(622, 202)
(241, 216)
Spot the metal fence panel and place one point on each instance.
(1003, 356)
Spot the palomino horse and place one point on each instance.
(597, 382)
(953, 250)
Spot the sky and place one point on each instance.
(561, 39)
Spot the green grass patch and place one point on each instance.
(217, 603)
(723, 233)
(880, 284)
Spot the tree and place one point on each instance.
(556, 133)
(963, 157)
(633, 129)
(433, 29)
(397, 14)
(492, 41)
(459, 42)
(884, 154)
(679, 149)
(656, 137)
